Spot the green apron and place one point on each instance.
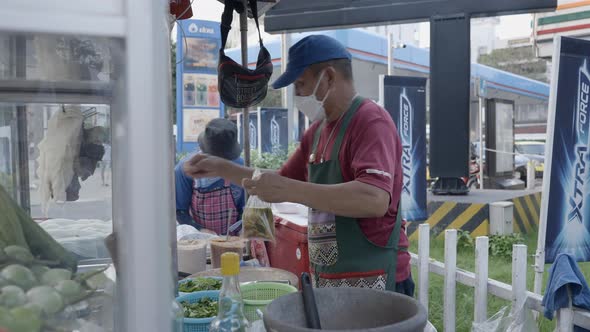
(340, 254)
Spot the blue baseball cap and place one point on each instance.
(308, 51)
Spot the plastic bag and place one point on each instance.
(58, 151)
(505, 320)
(258, 219)
(429, 327)
(257, 326)
(188, 232)
(84, 237)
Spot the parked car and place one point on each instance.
(527, 151)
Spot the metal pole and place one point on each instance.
(284, 55)
(139, 102)
(245, 111)
(390, 54)
(292, 116)
(530, 175)
(22, 148)
(481, 121)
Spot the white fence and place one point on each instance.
(517, 292)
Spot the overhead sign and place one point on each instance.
(405, 100)
(565, 212)
(197, 96)
(570, 19)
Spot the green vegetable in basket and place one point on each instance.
(39, 270)
(34, 308)
(55, 276)
(19, 275)
(47, 299)
(3, 256)
(19, 254)
(12, 296)
(6, 319)
(199, 284)
(204, 308)
(26, 320)
(70, 290)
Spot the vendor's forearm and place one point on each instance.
(352, 199)
(236, 173)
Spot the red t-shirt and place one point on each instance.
(370, 153)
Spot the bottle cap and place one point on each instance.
(230, 264)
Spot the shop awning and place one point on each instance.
(304, 15)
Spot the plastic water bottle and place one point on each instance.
(230, 317)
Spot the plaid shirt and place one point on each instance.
(186, 188)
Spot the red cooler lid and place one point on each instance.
(294, 221)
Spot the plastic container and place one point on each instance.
(348, 309)
(192, 256)
(197, 324)
(219, 246)
(258, 295)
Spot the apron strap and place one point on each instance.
(349, 113)
(394, 242)
(316, 139)
(356, 103)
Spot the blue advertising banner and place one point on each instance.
(197, 96)
(274, 129)
(253, 129)
(405, 100)
(565, 212)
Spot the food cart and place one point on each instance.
(99, 64)
(76, 77)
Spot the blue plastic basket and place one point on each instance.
(197, 324)
(187, 279)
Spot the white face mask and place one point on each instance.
(310, 105)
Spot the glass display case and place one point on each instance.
(86, 148)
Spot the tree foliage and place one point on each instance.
(517, 60)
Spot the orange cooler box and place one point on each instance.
(289, 252)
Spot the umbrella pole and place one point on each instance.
(245, 111)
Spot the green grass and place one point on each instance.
(499, 269)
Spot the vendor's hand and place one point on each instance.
(204, 166)
(270, 187)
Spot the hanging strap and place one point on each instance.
(254, 8)
(228, 16)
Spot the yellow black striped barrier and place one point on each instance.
(526, 212)
(474, 218)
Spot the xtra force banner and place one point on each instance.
(405, 100)
(566, 195)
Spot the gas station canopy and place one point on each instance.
(304, 15)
